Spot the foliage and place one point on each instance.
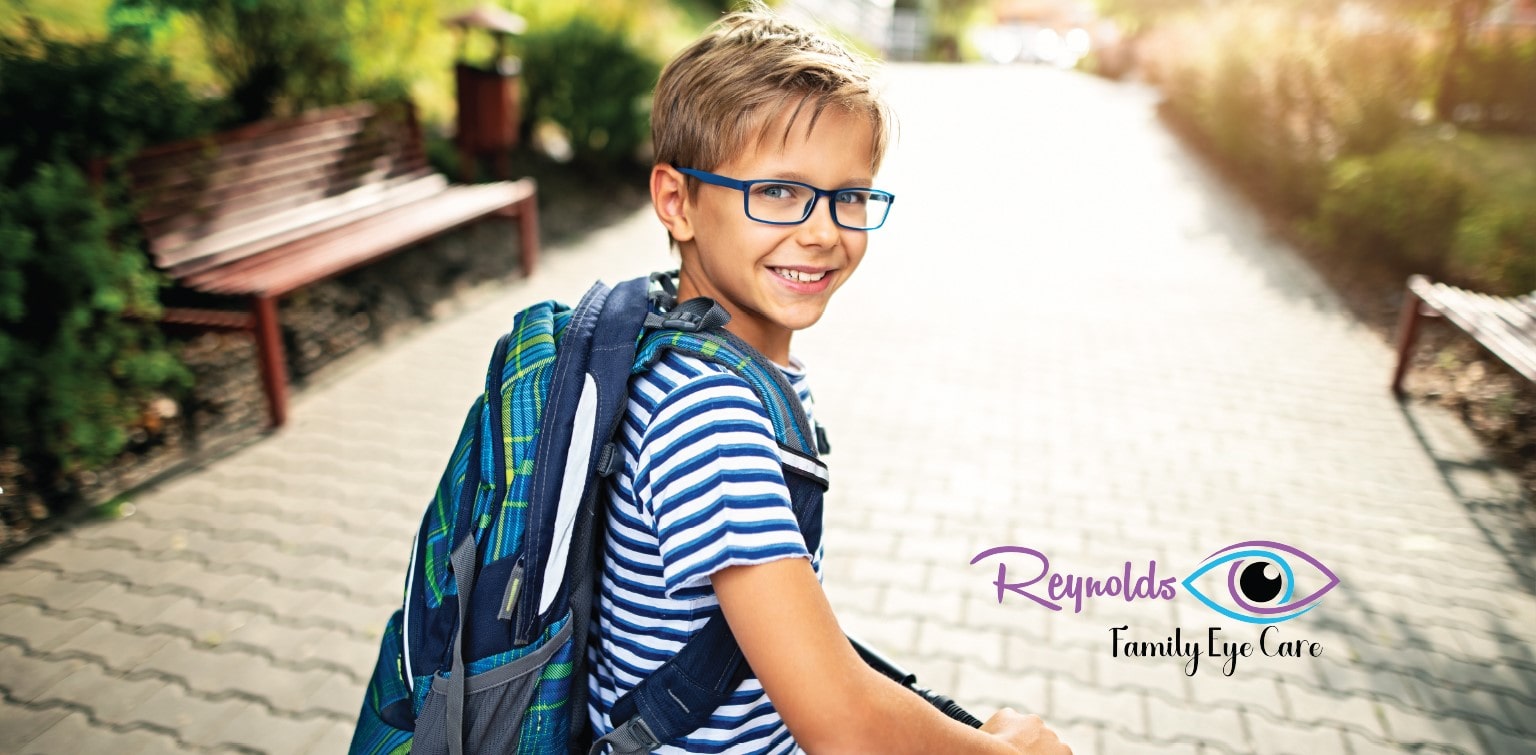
(273, 55)
(1401, 202)
(1280, 95)
(78, 346)
(73, 102)
(592, 82)
(1496, 247)
(1492, 84)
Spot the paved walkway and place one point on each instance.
(1070, 338)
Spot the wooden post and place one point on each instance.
(1407, 333)
(269, 356)
(528, 227)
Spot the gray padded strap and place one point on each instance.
(632, 737)
(463, 559)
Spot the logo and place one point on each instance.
(1261, 580)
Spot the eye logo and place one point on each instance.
(1261, 581)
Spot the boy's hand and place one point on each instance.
(1026, 733)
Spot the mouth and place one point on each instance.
(800, 274)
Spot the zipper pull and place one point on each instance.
(509, 597)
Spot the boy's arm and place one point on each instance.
(828, 697)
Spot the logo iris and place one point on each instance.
(1261, 582)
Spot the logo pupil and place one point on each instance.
(1256, 583)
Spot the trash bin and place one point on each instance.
(488, 96)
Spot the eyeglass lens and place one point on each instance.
(791, 203)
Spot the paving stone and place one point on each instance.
(1309, 705)
(1024, 693)
(196, 717)
(1117, 741)
(56, 593)
(1362, 745)
(76, 734)
(255, 728)
(118, 649)
(335, 739)
(1179, 722)
(1125, 712)
(39, 631)
(20, 724)
(942, 639)
(1271, 737)
(110, 696)
(24, 676)
(1419, 727)
(889, 636)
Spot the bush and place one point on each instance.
(595, 84)
(1493, 85)
(1279, 94)
(78, 346)
(274, 56)
(1401, 202)
(1496, 247)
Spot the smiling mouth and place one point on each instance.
(797, 275)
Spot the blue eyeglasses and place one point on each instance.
(780, 202)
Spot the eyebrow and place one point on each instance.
(790, 175)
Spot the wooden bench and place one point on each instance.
(260, 211)
(1505, 326)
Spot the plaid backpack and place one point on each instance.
(516, 526)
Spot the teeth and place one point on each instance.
(796, 275)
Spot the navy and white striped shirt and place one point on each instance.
(701, 489)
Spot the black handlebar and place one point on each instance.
(908, 679)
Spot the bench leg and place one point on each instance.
(1407, 333)
(528, 232)
(269, 358)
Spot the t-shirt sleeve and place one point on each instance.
(710, 481)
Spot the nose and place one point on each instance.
(819, 229)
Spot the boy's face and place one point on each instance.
(741, 263)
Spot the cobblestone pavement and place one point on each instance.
(1069, 338)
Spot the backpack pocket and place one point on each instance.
(519, 702)
(387, 701)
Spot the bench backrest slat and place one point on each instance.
(190, 191)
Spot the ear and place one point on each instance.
(669, 195)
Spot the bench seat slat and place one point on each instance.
(322, 255)
(279, 229)
(227, 190)
(1510, 344)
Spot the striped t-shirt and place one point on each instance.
(701, 489)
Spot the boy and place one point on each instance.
(699, 515)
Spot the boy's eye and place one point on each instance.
(784, 192)
(853, 197)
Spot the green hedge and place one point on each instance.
(79, 349)
(1404, 203)
(595, 84)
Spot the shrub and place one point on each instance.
(1496, 247)
(1279, 94)
(1401, 202)
(274, 56)
(78, 346)
(1493, 85)
(594, 83)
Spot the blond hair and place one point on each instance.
(724, 91)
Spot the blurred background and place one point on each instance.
(1370, 139)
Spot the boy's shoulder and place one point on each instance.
(679, 380)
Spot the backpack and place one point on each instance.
(488, 653)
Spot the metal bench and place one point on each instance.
(1505, 326)
(263, 210)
